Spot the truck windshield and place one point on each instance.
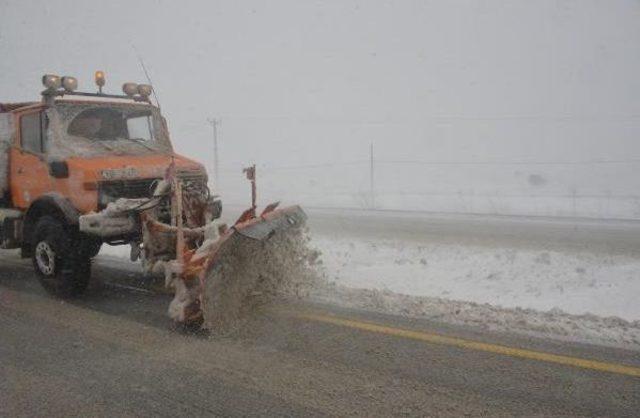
(109, 124)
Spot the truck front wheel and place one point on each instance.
(62, 267)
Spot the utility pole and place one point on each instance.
(214, 123)
(371, 190)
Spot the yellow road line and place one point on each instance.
(474, 345)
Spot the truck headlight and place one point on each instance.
(69, 83)
(51, 81)
(145, 90)
(130, 89)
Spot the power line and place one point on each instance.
(319, 165)
(445, 163)
(453, 117)
(469, 195)
(522, 162)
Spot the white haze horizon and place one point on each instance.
(504, 107)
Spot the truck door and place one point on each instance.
(29, 169)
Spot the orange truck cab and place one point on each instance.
(73, 154)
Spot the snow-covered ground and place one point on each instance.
(574, 282)
(575, 279)
(572, 296)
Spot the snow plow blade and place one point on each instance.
(271, 223)
(251, 260)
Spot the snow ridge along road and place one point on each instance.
(573, 279)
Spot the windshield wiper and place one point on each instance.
(103, 143)
(142, 142)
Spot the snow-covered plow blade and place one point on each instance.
(252, 260)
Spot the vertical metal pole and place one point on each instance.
(180, 233)
(215, 150)
(372, 189)
(251, 176)
(216, 171)
(254, 193)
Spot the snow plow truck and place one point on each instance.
(81, 169)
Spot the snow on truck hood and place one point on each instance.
(132, 167)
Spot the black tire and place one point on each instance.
(62, 265)
(90, 247)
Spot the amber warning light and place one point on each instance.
(100, 80)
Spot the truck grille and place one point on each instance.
(110, 191)
(195, 176)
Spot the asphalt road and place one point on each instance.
(114, 353)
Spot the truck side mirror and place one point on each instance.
(58, 169)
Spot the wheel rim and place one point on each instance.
(45, 258)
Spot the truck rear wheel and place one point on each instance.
(62, 267)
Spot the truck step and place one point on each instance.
(10, 228)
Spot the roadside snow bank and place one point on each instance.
(553, 324)
(576, 282)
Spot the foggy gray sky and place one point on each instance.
(310, 82)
